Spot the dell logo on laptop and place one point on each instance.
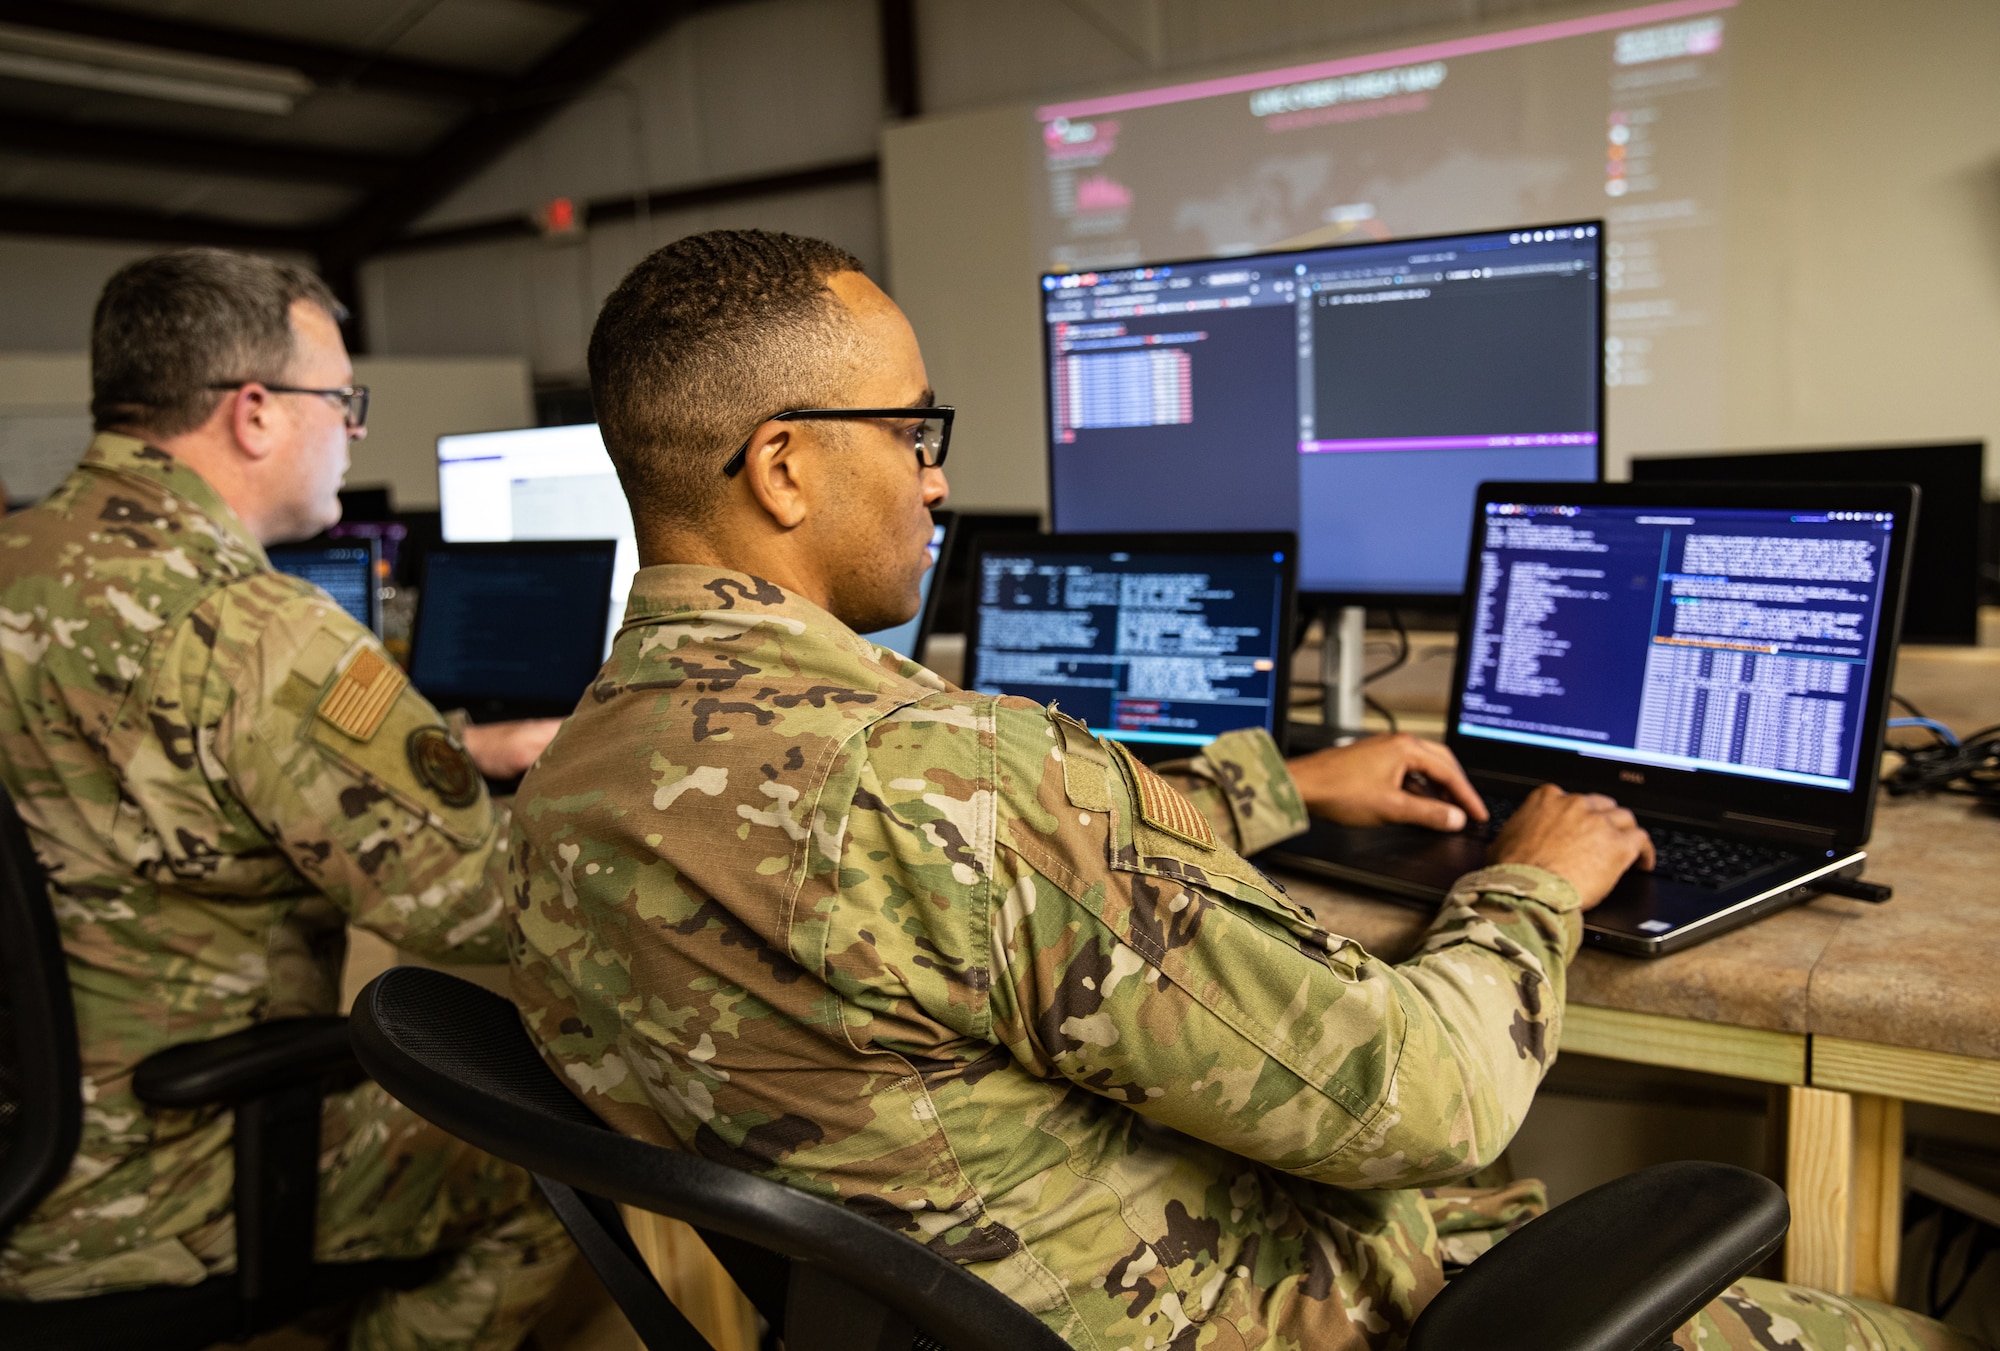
(1631, 776)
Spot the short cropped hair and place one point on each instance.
(701, 342)
(169, 327)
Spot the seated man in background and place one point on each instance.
(220, 769)
(787, 900)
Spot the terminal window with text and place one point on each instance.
(1736, 641)
(1165, 648)
(1355, 395)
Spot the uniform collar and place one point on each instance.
(670, 592)
(129, 457)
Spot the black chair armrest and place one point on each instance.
(259, 1060)
(1616, 1269)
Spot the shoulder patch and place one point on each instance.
(443, 766)
(363, 695)
(1163, 807)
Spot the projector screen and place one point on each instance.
(1621, 115)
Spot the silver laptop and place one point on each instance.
(1718, 657)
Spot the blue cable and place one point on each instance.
(1949, 738)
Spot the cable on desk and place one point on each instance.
(1950, 737)
(1968, 767)
(1396, 662)
(1381, 710)
(1908, 707)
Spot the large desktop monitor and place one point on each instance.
(1355, 395)
(1946, 553)
(538, 483)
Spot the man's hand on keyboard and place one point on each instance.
(1364, 784)
(1586, 839)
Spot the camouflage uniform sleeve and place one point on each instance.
(1140, 958)
(328, 747)
(1240, 783)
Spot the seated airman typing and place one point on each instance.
(220, 769)
(794, 903)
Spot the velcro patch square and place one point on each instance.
(364, 694)
(1164, 807)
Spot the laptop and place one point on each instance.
(347, 570)
(1717, 657)
(1162, 642)
(511, 630)
(910, 639)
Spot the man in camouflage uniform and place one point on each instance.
(790, 901)
(220, 770)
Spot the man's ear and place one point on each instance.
(771, 470)
(252, 416)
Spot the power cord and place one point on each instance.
(1968, 766)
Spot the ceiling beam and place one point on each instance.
(338, 67)
(23, 216)
(626, 207)
(620, 28)
(107, 144)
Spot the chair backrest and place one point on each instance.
(41, 1074)
(458, 1055)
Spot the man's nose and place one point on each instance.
(935, 487)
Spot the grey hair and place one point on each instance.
(170, 327)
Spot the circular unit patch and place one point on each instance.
(443, 766)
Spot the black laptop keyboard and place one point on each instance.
(1709, 861)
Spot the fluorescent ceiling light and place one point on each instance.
(125, 68)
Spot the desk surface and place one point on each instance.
(1921, 972)
(1918, 972)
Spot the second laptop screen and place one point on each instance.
(1166, 648)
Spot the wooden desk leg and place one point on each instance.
(693, 1280)
(1819, 1178)
(1844, 1177)
(1878, 1195)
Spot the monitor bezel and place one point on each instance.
(1722, 800)
(1239, 542)
(1965, 633)
(371, 543)
(1316, 599)
(493, 707)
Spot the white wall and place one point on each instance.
(414, 400)
(45, 416)
(1864, 249)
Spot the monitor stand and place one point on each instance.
(1345, 633)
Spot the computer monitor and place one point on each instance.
(1945, 556)
(909, 639)
(1355, 395)
(1161, 642)
(346, 570)
(511, 630)
(538, 483)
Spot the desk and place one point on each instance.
(1855, 1009)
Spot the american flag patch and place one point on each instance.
(1163, 807)
(363, 695)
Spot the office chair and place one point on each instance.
(272, 1074)
(1617, 1269)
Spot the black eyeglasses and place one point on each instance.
(353, 398)
(929, 430)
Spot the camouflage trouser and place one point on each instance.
(1758, 1315)
(393, 1185)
